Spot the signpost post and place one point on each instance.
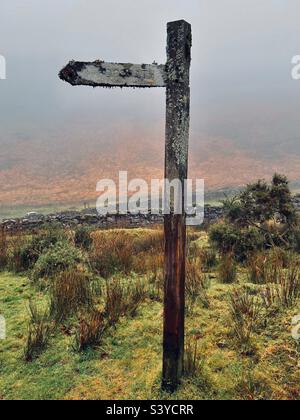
(175, 77)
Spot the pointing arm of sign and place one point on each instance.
(101, 74)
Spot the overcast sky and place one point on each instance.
(241, 70)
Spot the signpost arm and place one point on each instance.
(176, 167)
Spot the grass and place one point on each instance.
(127, 364)
(81, 360)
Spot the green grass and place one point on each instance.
(128, 364)
(18, 211)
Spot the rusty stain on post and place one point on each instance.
(101, 74)
(176, 167)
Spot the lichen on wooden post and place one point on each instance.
(176, 167)
(101, 74)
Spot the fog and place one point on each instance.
(242, 90)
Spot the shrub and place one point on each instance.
(227, 270)
(82, 237)
(27, 251)
(90, 332)
(70, 291)
(231, 239)
(245, 312)
(39, 332)
(59, 257)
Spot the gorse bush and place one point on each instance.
(228, 238)
(39, 332)
(26, 249)
(82, 237)
(59, 257)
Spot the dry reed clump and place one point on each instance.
(227, 269)
(111, 252)
(266, 267)
(285, 291)
(70, 291)
(123, 299)
(91, 329)
(196, 283)
(156, 282)
(39, 332)
(124, 250)
(193, 360)
(245, 314)
(209, 258)
(257, 267)
(151, 241)
(17, 242)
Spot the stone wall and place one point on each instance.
(90, 217)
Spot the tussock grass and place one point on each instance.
(194, 360)
(227, 270)
(90, 331)
(245, 313)
(196, 284)
(70, 291)
(123, 299)
(39, 332)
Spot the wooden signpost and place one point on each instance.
(175, 77)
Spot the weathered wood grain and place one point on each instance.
(176, 167)
(101, 74)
